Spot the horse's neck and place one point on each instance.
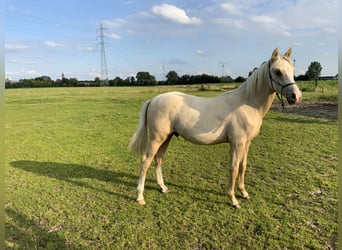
(258, 94)
(265, 106)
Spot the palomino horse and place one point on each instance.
(233, 117)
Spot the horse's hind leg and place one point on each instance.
(146, 160)
(159, 161)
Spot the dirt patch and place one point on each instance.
(328, 110)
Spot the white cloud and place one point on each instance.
(14, 46)
(115, 36)
(239, 24)
(31, 72)
(264, 20)
(231, 9)
(201, 53)
(271, 24)
(113, 24)
(21, 74)
(130, 32)
(22, 62)
(53, 44)
(174, 14)
(321, 16)
(95, 73)
(86, 48)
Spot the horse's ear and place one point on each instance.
(275, 54)
(288, 53)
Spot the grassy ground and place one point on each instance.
(70, 179)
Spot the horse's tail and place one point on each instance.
(138, 141)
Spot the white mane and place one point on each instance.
(256, 81)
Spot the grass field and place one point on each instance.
(71, 180)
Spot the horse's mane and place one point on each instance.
(255, 81)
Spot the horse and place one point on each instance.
(234, 117)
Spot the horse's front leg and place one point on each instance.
(236, 155)
(242, 171)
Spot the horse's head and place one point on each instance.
(281, 76)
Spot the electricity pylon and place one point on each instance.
(104, 71)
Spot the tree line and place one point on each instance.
(144, 78)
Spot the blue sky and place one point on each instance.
(190, 37)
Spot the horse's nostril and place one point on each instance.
(293, 96)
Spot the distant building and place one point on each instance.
(86, 83)
(328, 77)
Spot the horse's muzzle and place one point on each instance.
(293, 95)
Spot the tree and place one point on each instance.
(65, 81)
(301, 78)
(205, 78)
(185, 79)
(240, 79)
(129, 81)
(97, 81)
(226, 79)
(73, 82)
(314, 72)
(145, 79)
(117, 81)
(172, 78)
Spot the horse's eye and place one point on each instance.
(278, 72)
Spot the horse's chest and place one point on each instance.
(244, 127)
(252, 132)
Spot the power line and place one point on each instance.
(104, 71)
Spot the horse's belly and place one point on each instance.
(205, 138)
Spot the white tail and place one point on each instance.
(138, 141)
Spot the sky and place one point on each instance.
(216, 37)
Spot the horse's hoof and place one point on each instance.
(236, 206)
(247, 197)
(165, 191)
(141, 202)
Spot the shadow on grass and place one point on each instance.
(71, 172)
(24, 233)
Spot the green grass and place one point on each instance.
(71, 180)
(326, 91)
